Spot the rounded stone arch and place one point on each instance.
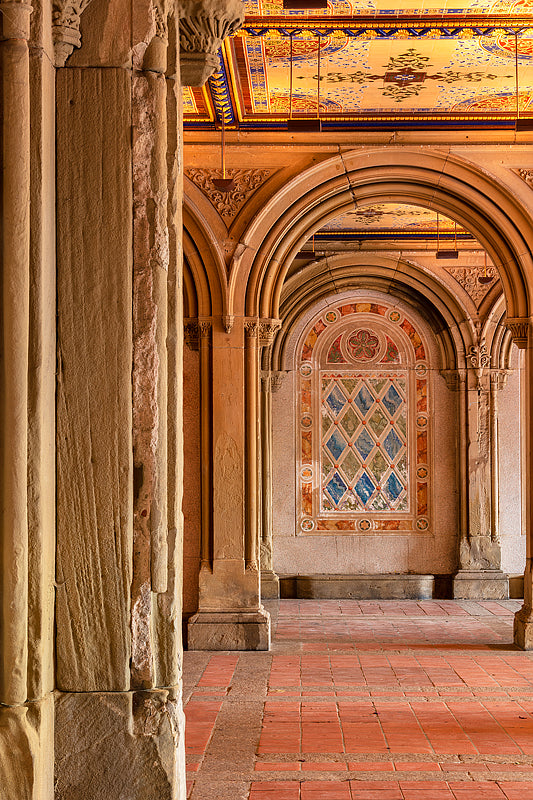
(423, 291)
(205, 261)
(438, 181)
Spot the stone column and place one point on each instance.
(479, 574)
(522, 333)
(230, 615)
(269, 579)
(119, 720)
(270, 382)
(26, 558)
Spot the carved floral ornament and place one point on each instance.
(228, 204)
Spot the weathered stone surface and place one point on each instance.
(269, 585)
(41, 373)
(26, 751)
(229, 631)
(94, 443)
(523, 628)
(362, 587)
(125, 746)
(481, 585)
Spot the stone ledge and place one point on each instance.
(358, 587)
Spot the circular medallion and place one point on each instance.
(364, 525)
(331, 316)
(307, 524)
(422, 473)
(306, 474)
(363, 345)
(421, 421)
(306, 369)
(306, 421)
(422, 524)
(421, 369)
(394, 316)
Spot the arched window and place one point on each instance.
(363, 414)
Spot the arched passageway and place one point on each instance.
(268, 301)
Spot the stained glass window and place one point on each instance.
(363, 434)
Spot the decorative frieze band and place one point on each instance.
(203, 27)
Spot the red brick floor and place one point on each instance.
(363, 699)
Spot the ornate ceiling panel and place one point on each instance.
(371, 63)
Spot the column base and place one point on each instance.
(483, 584)
(523, 628)
(229, 630)
(106, 741)
(269, 585)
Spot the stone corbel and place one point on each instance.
(204, 24)
(519, 328)
(66, 27)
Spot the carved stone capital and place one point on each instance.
(227, 323)
(276, 379)
(191, 333)
(267, 331)
(204, 329)
(455, 378)
(66, 27)
(15, 20)
(251, 328)
(204, 24)
(498, 378)
(519, 328)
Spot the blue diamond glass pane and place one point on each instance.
(336, 400)
(336, 444)
(364, 400)
(364, 488)
(364, 443)
(336, 487)
(392, 445)
(392, 400)
(393, 487)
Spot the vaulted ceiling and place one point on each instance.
(373, 64)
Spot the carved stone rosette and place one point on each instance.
(203, 27)
(519, 330)
(66, 27)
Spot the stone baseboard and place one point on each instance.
(229, 630)
(480, 585)
(358, 587)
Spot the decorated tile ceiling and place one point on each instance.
(370, 63)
